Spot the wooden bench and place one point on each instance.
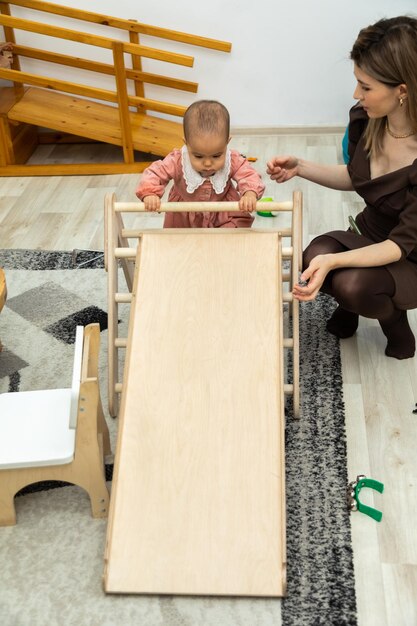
(57, 434)
(74, 111)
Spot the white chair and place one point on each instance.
(57, 434)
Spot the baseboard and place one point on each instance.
(288, 130)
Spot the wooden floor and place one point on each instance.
(380, 392)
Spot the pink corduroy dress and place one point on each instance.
(189, 186)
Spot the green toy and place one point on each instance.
(265, 213)
(353, 491)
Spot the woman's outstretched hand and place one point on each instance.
(314, 276)
(282, 168)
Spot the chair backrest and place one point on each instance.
(76, 376)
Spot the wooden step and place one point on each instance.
(88, 118)
(8, 98)
(17, 139)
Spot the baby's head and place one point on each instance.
(206, 135)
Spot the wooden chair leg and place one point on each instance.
(99, 496)
(103, 430)
(89, 475)
(87, 469)
(7, 507)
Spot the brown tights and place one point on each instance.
(366, 291)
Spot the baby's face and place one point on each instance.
(207, 153)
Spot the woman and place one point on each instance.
(374, 273)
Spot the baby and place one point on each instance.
(204, 170)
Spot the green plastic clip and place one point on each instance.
(265, 213)
(354, 490)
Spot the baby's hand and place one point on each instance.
(248, 201)
(152, 203)
(6, 55)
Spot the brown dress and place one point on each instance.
(390, 212)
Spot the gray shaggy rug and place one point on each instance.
(55, 552)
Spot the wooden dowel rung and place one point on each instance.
(120, 342)
(213, 207)
(123, 298)
(129, 233)
(287, 297)
(132, 233)
(118, 387)
(288, 390)
(288, 342)
(125, 253)
(201, 231)
(287, 252)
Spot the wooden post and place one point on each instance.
(123, 102)
(137, 65)
(112, 287)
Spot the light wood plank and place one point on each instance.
(401, 581)
(205, 513)
(393, 428)
(368, 577)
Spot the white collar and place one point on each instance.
(194, 180)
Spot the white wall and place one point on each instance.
(289, 64)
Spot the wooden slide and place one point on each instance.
(198, 495)
(122, 116)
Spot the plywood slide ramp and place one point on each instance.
(198, 503)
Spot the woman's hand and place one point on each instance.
(282, 168)
(152, 203)
(248, 201)
(315, 276)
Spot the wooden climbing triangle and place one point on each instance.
(121, 248)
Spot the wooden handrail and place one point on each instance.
(156, 105)
(163, 81)
(89, 92)
(103, 68)
(123, 24)
(58, 85)
(94, 40)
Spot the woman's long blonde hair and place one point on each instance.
(387, 51)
